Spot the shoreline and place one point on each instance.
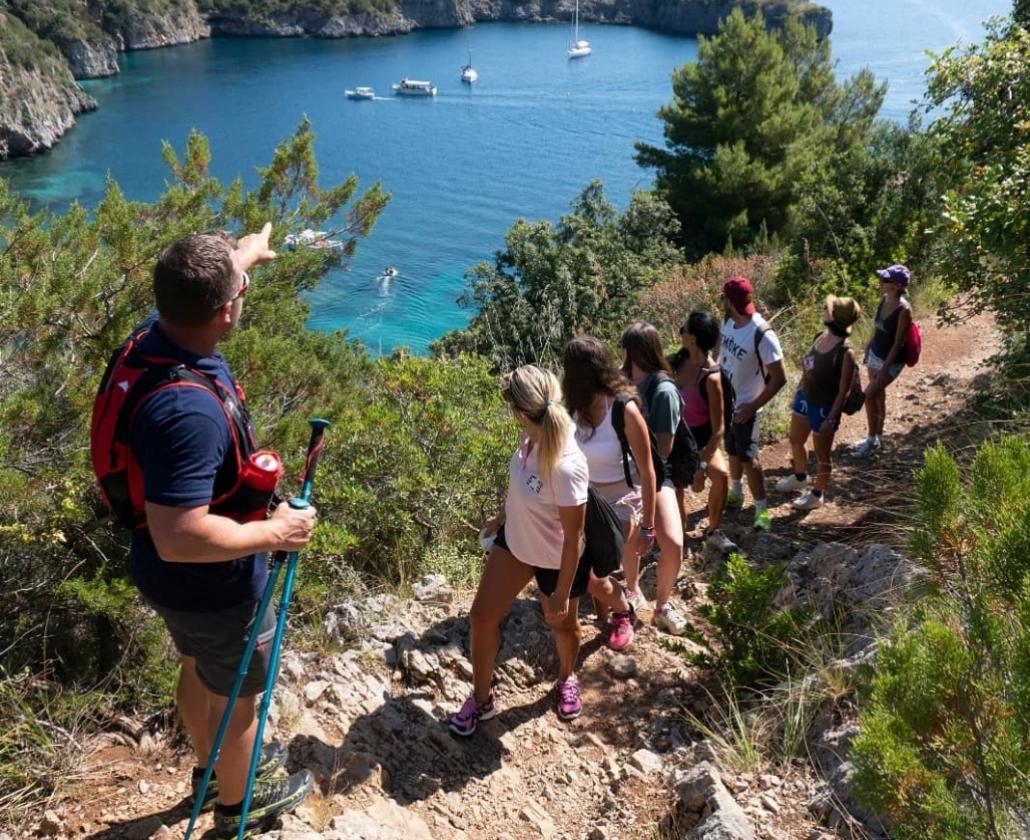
(56, 98)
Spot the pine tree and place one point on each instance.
(748, 118)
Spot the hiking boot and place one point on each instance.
(464, 723)
(272, 798)
(763, 520)
(791, 482)
(808, 501)
(734, 501)
(719, 541)
(620, 630)
(867, 448)
(273, 756)
(670, 621)
(569, 703)
(635, 599)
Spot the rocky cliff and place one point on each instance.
(38, 96)
(688, 17)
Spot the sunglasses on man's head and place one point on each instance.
(244, 285)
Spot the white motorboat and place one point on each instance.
(361, 93)
(468, 72)
(414, 87)
(390, 272)
(577, 46)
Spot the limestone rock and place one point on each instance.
(646, 761)
(539, 819)
(701, 791)
(434, 589)
(622, 666)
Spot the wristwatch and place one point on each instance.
(647, 531)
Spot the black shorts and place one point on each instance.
(702, 434)
(547, 579)
(742, 438)
(216, 641)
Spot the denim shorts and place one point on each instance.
(216, 641)
(875, 363)
(815, 413)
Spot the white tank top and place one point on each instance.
(602, 449)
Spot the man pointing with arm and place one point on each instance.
(201, 566)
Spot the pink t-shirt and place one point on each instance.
(532, 525)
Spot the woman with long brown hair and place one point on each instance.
(645, 365)
(602, 402)
(538, 534)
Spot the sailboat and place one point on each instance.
(468, 72)
(577, 47)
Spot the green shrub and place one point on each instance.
(755, 639)
(943, 750)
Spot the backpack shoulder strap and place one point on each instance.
(702, 380)
(760, 333)
(619, 424)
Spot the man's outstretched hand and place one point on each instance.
(253, 249)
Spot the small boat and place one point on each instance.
(361, 93)
(468, 72)
(578, 47)
(414, 87)
(390, 272)
(316, 239)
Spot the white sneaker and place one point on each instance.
(808, 501)
(636, 599)
(670, 621)
(791, 482)
(866, 448)
(720, 542)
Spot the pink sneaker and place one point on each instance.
(569, 704)
(464, 723)
(620, 630)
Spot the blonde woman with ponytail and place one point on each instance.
(539, 534)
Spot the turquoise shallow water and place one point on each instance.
(462, 167)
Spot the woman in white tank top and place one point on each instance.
(594, 389)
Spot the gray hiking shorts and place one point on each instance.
(216, 641)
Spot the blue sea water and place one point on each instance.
(521, 142)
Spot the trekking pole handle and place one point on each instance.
(318, 427)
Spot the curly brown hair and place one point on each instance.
(589, 368)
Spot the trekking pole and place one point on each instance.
(318, 427)
(248, 654)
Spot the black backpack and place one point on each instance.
(619, 424)
(604, 537)
(683, 459)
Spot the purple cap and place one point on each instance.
(895, 274)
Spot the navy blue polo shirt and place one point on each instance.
(181, 437)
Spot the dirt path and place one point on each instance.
(366, 720)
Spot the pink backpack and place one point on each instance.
(913, 344)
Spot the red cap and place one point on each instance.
(739, 291)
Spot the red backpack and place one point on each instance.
(130, 379)
(913, 344)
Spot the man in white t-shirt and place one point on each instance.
(752, 363)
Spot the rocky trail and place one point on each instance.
(366, 718)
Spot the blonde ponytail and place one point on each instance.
(536, 393)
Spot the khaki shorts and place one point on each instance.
(216, 641)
